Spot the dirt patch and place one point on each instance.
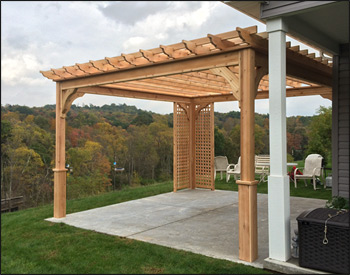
(152, 270)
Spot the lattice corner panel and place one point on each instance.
(181, 146)
(204, 146)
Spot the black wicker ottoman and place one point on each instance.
(330, 251)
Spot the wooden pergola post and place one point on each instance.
(60, 170)
(247, 186)
(192, 117)
(175, 150)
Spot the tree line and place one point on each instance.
(102, 139)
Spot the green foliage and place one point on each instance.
(90, 170)
(297, 140)
(42, 122)
(220, 142)
(143, 118)
(143, 156)
(290, 158)
(233, 149)
(26, 153)
(20, 109)
(82, 118)
(6, 129)
(23, 175)
(338, 202)
(320, 134)
(260, 141)
(162, 137)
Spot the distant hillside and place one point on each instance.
(96, 137)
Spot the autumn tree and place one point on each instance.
(219, 142)
(261, 147)
(91, 170)
(320, 134)
(26, 156)
(143, 118)
(163, 142)
(142, 153)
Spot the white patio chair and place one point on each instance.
(221, 163)
(262, 167)
(312, 169)
(233, 169)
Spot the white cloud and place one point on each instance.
(134, 43)
(306, 105)
(19, 69)
(39, 35)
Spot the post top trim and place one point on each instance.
(276, 24)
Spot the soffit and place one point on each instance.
(322, 25)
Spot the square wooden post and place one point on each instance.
(60, 159)
(247, 186)
(175, 152)
(192, 117)
(212, 147)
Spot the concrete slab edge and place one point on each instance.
(220, 257)
(203, 253)
(289, 268)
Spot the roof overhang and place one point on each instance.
(323, 25)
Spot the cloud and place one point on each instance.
(169, 25)
(306, 105)
(39, 35)
(20, 69)
(136, 10)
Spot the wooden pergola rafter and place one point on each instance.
(201, 80)
(194, 75)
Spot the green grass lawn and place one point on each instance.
(31, 245)
(300, 191)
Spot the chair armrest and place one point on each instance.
(295, 171)
(230, 165)
(261, 166)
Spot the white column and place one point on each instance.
(278, 181)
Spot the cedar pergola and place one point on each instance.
(231, 66)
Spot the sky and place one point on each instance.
(40, 35)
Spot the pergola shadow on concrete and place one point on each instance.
(193, 74)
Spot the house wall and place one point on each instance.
(341, 123)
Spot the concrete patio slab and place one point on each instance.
(200, 221)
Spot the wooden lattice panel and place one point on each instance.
(181, 146)
(204, 146)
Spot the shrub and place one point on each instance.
(337, 202)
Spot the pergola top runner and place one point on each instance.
(183, 76)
